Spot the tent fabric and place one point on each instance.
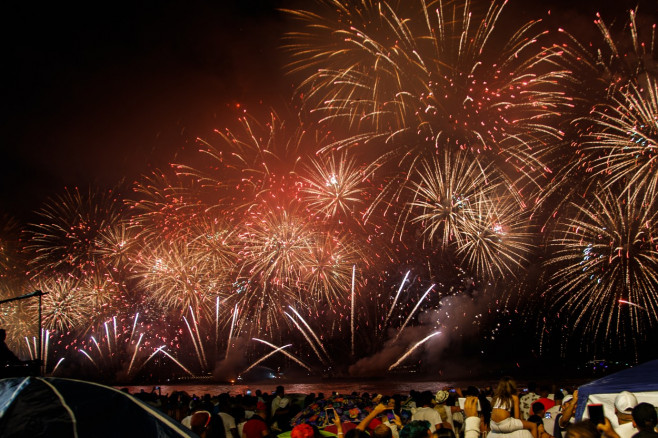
(642, 380)
(51, 407)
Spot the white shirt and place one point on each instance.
(229, 423)
(276, 403)
(626, 430)
(427, 414)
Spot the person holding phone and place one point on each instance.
(390, 424)
(472, 428)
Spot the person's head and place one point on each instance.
(624, 404)
(558, 397)
(538, 409)
(382, 431)
(472, 391)
(441, 397)
(582, 429)
(279, 390)
(425, 398)
(302, 431)
(443, 433)
(505, 389)
(356, 433)
(645, 417)
(416, 429)
(3, 334)
(532, 386)
(261, 409)
(200, 421)
(544, 390)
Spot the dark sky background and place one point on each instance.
(98, 91)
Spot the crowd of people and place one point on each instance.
(502, 411)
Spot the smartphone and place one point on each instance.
(331, 413)
(595, 413)
(548, 415)
(462, 400)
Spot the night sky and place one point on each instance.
(93, 93)
(96, 93)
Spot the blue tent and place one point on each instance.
(638, 380)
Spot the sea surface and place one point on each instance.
(327, 387)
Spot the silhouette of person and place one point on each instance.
(7, 357)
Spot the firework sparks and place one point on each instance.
(606, 253)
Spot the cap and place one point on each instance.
(567, 399)
(625, 402)
(441, 396)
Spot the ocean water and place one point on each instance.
(387, 387)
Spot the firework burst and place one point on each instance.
(620, 146)
(606, 253)
(335, 186)
(67, 304)
(429, 79)
(68, 238)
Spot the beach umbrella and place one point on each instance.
(36, 407)
(350, 409)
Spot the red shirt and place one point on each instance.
(254, 428)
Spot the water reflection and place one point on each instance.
(327, 387)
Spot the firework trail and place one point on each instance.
(310, 330)
(411, 314)
(352, 308)
(230, 333)
(395, 300)
(163, 351)
(412, 349)
(272, 353)
(308, 339)
(132, 359)
(284, 352)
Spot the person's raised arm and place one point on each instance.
(472, 422)
(363, 425)
(338, 424)
(569, 410)
(606, 429)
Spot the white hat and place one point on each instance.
(567, 399)
(441, 396)
(625, 402)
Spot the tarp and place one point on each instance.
(641, 380)
(47, 407)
